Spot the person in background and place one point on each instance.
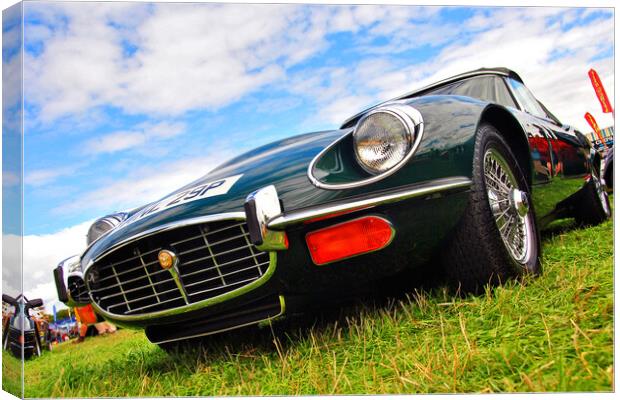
(86, 316)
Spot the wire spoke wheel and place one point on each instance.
(602, 195)
(509, 205)
(497, 237)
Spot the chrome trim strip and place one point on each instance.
(424, 189)
(166, 227)
(393, 233)
(410, 117)
(178, 280)
(282, 311)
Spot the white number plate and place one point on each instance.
(202, 191)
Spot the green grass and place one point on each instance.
(551, 333)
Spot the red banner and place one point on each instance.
(595, 127)
(601, 95)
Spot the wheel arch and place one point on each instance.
(512, 131)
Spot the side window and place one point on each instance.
(502, 94)
(526, 99)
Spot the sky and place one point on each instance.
(125, 102)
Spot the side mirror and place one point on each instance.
(34, 303)
(8, 299)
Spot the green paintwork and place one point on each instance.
(445, 151)
(557, 162)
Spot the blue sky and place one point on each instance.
(127, 101)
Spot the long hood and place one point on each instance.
(444, 151)
(283, 164)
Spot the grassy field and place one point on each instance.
(551, 333)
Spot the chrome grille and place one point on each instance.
(214, 258)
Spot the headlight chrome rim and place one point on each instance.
(413, 119)
(408, 124)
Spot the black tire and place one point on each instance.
(609, 176)
(593, 206)
(476, 254)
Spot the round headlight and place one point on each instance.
(104, 225)
(383, 138)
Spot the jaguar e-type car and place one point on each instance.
(459, 176)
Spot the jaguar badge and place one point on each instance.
(167, 259)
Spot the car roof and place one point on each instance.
(501, 71)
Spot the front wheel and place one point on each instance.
(497, 237)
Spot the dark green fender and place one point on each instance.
(446, 150)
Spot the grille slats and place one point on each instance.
(118, 263)
(135, 289)
(127, 281)
(220, 265)
(156, 304)
(213, 259)
(234, 284)
(208, 234)
(140, 299)
(225, 275)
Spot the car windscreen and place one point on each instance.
(527, 99)
(488, 88)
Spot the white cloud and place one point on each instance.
(41, 254)
(553, 62)
(186, 56)
(172, 58)
(525, 41)
(148, 133)
(40, 177)
(143, 185)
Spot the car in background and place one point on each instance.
(458, 177)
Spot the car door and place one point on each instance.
(564, 156)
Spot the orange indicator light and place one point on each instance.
(348, 239)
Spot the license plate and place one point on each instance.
(202, 191)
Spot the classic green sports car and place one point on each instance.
(459, 175)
